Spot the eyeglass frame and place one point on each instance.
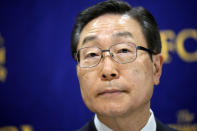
(150, 52)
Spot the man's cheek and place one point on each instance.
(85, 91)
(86, 74)
(86, 85)
(135, 75)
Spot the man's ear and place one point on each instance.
(157, 68)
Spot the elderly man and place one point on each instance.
(117, 49)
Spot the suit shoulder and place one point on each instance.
(89, 126)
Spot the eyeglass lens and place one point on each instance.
(121, 53)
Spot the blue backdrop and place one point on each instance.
(39, 90)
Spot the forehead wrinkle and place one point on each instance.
(123, 34)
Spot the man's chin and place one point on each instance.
(111, 112)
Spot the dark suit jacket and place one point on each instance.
(91, 127)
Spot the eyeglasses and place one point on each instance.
(121, 53)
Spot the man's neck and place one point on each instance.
(133, 121)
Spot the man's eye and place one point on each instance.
(91, 55)
(124, 50)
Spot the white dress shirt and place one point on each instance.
(150, 125)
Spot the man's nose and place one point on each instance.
(109, 69)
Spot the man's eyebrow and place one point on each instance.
(123, 34)
(118, 34)
(88, 38)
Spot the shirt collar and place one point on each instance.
(150, 125)
(100, 126)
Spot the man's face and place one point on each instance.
(112, 89)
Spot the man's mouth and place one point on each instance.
(111, 92)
